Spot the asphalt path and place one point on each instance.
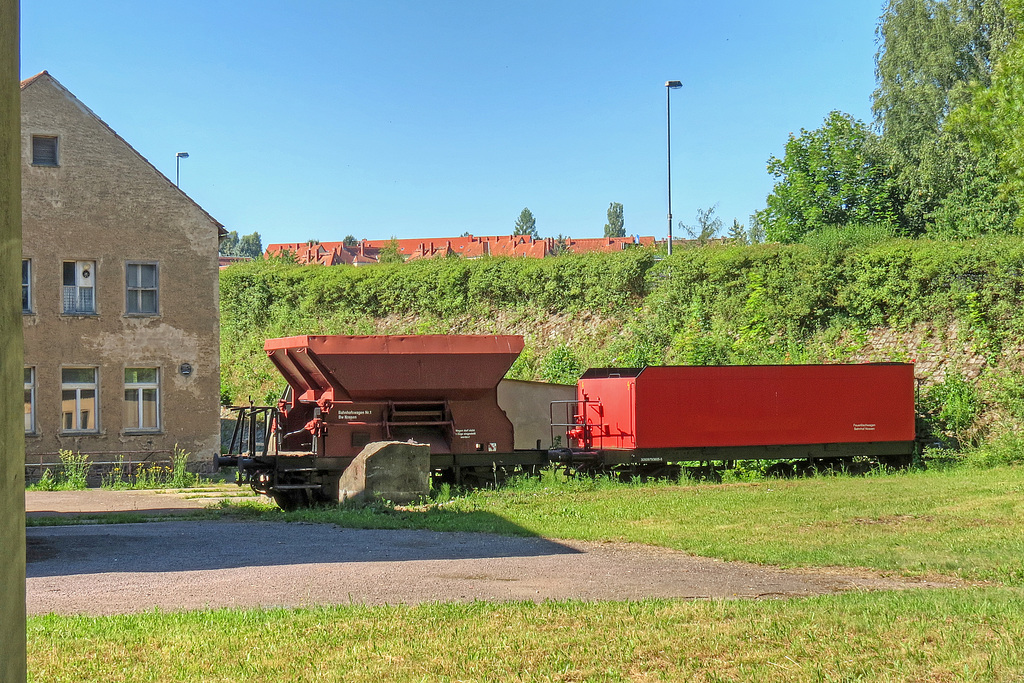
(173, 565)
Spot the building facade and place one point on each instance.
(119, 294)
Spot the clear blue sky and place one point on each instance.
(380, 118)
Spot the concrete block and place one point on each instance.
(387, 470)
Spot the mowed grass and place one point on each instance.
(963, 523)
(941, 635)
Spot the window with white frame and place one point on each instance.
(79, 399)
(44, 150)
(26, 285)
(79, 287)
(30, 400)
(142, 289)
(142, 399)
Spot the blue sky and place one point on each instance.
(318, 119)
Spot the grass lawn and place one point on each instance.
(964, 522)
(943, 635)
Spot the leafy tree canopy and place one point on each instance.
(561, 245)
(737, 233)
(390, 253)
(250, 246)
(616, 226)
(708, 225)
(350, 241)
(229, 244)
(929, 52)
(831, 176)
(993, 121)
(526, 224)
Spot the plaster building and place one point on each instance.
(119, 293)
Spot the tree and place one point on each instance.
(708, 225)
(993, 121)
(615, 227)
(829, 177)
(229, 244)
(756, 233)
(929, 51)
(737, 233)
(350, 241)
(250, 245)
(560, 246)
(526, 224)
(390, 253)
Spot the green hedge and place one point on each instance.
(724, 304)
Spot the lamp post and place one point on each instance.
(669, 87)
(177, 166)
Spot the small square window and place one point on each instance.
(44, 150)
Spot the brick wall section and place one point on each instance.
(935, 351)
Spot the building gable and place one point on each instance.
(91, 155)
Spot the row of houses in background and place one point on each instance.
(119, 293)
(367, 252)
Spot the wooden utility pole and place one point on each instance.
(12, 422)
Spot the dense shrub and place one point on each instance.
(720, 304)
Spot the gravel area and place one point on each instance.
(122, 568)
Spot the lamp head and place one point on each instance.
(673, 84)
(182, 155)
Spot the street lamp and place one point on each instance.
(669, 87)
(177, 167)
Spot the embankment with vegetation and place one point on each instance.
(956, 308)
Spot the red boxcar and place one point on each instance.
(727, 412)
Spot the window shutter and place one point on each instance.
(44, 151)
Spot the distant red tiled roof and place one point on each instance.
(468, 246)
(326, 253)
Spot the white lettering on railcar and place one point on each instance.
(353, 414)
(863, 427)
(465, 433)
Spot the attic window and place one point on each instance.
(44, 150)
